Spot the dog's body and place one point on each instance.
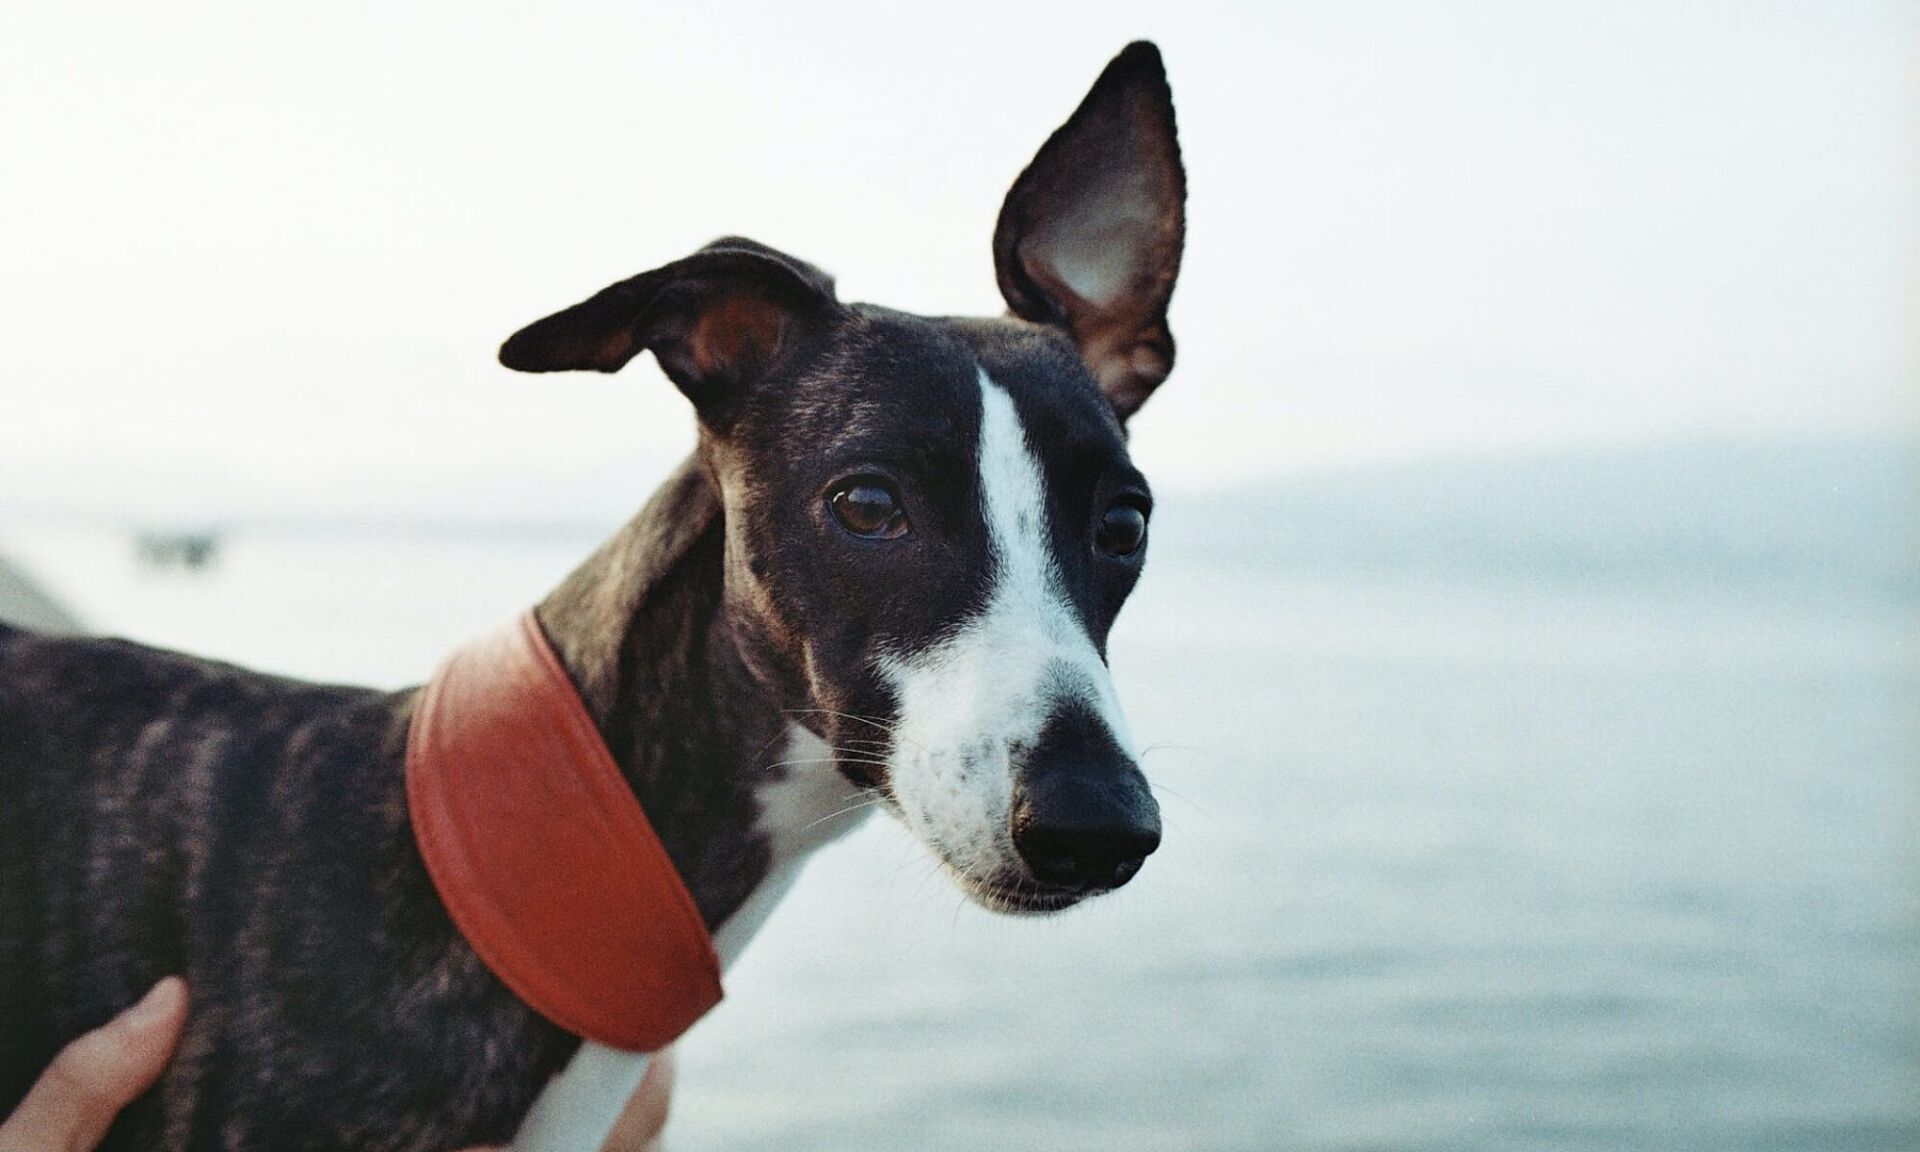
(162, 814)
(886, 577)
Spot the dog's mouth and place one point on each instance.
(1027, 899)
(996, 886)
(994, 877)
(1017, 895)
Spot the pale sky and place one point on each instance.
(274, 246)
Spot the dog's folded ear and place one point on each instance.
(1090, 236)
(717, 320)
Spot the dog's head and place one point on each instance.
(930, 522)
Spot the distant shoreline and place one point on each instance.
(24, 603)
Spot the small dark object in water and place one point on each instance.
(190, 550)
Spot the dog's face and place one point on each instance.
(932, 523)
(941, 528)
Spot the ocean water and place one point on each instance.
(1450, 864)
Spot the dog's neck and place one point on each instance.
(721, 771)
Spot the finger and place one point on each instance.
(97, 1075)
(645, 1117)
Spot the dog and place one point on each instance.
(884, 578)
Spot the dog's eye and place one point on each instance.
(867, 506)
(1121, 531)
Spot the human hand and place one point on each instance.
(74, 1102)
(639, 1127)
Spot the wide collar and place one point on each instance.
(541, 853)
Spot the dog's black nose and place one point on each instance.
(1078, 835)
(1083, 817)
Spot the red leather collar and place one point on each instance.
(543, 857)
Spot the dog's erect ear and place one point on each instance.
(716, 321)
(1090, 237)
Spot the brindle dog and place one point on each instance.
(887, 573)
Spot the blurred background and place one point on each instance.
(1529, 660)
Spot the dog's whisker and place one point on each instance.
(914, 855)
(964, 884)
(1163, 790)
(1161, 746)
(913, 859)
(933, 864)
(868, 802)
(875, 751)
(827, 760)
(886, 725)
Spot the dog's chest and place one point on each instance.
(805, 804)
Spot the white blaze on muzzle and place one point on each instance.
(969, 705)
